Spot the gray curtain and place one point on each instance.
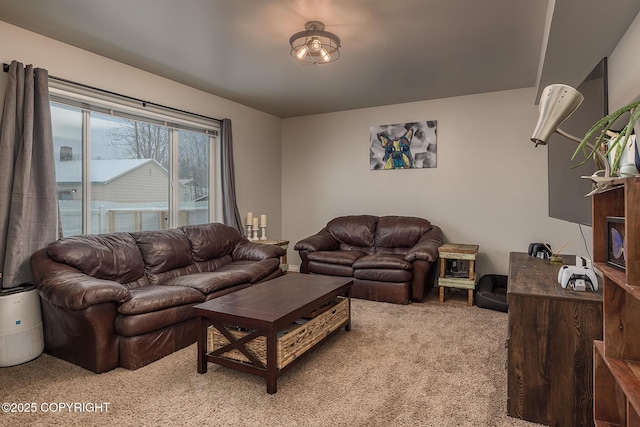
(28, 197)
(230, 213)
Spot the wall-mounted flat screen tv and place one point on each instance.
(567, 190)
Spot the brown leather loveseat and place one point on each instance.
(125, 299)
(391, 258)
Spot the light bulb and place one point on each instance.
(325, 55)
(315, 44)
(302, 52)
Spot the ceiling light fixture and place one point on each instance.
(314, 45)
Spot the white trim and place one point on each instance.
(293, 268)
(86, 100)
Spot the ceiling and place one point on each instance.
(392, 51)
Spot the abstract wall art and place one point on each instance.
(403, 145)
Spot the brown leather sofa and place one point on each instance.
(391, 258)
(125, 299)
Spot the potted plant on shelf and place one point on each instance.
(608, 139)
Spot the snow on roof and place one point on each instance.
(101, 171)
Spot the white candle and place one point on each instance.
(249, 217)
(263, 220)
(255, 223)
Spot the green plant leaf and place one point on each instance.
(603, 125)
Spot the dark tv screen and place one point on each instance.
(567, 189)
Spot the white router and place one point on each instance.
(21, 334)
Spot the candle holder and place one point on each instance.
(255, 234)
(249, 232)
(263, 228)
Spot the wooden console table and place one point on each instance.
(550, 344)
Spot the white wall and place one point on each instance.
(256, 134)
(624, 68)
(489, 186)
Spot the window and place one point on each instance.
(125, 168)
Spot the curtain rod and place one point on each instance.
(5, 68)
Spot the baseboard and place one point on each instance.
(293, 268)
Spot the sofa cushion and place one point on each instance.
(137, 324)
(400, 231)
(336, 257)
(383, 275)
(103, 256)
(353, 230)
(210, 241)
(209, 282)
(330, 269)
(164, 250)
(213, 264)
(382, 261)
(157, 297)
(257, 270)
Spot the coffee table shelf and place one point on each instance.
(293, 341)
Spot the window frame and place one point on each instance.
(87, 100)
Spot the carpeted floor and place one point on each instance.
(424, 364)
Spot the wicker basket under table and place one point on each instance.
(292, 342)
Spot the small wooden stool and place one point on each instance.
(458, 252)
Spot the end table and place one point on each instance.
(284, 244)
(456, 251)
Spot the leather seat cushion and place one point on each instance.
(209, 241)
(354, 230)
(382, 275)
(164, 250)
(382, 261)
(137, 324)
(157, 297)
(400, 231)
(212, 281)
(330, 269)
(336, 257)
(257, 270)
(103, 256)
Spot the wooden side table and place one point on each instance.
(463, 253)
(284, 244)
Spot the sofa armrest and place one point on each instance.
(77, 291)
(321, 241)
(427, 247)
(254, 251)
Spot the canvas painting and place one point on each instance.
(403, 145)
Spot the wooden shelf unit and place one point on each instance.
(616, 362)
(462, 253)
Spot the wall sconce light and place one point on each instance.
(557, 103)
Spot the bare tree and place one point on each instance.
(194, 161)
(139, 140)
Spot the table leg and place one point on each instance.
(202, 346)
(470, 296)
(272, 363)
(347, 327)
(441, 293)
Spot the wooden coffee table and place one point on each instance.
(262, 313)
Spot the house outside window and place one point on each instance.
(124, 171)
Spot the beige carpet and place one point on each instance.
(425, 364)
